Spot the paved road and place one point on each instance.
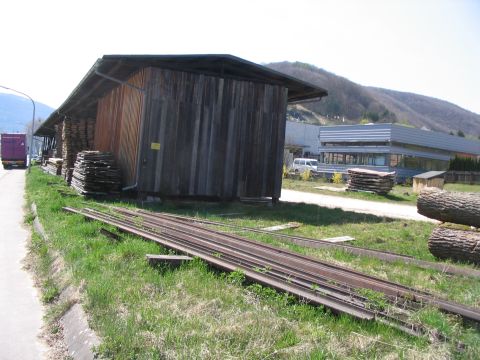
(20, 309)
(406, 212)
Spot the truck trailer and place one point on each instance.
(14, 150)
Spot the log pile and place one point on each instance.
(54, 166)
(370, 181)
(95, 173)
(448, 242)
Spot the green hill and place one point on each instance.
(349, 103)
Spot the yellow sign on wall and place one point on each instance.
(155, 146)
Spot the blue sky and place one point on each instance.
(430, 47)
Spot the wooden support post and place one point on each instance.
(110, 234)
(172, 260)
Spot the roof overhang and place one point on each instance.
(83, 100)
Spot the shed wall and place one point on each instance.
(118, 123)
(209, 136)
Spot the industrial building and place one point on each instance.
(383, 147)
(181, 125)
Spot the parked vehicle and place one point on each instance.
(302, 164)
(14, 150)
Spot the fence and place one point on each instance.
(462, 177)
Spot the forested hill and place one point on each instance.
(16, 112)
(350, 103)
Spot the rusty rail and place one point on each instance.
(315, 281)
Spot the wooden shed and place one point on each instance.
(434, 179)
(182, 125)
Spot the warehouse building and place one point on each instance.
(182, 125)
(383, 147)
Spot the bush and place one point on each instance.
(464, 164)
(337, 178)
(305, 176)
(285, 171)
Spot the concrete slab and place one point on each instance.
(20, 308)
(78, 336)
(383, 209)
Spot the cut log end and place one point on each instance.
(454, 244)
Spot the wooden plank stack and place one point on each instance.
(95, 173)
(370, 181)
(54, 166)
(76, 136)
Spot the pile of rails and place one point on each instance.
(450, 241)
(310, 279)
(95, 173)
(54, 166)
(370, 181)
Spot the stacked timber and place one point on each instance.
(54, 166)
(452, 242)
(370, 181)
(95, 173)
(76, 136)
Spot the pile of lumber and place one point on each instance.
(95, 173)
(370, 181)
(76, 136)
(460, 243)
(54, 166)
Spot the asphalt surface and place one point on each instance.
(383, 209)
(20, 308)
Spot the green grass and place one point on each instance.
(462, 187)
(193, 312)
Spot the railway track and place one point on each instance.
(312, 280)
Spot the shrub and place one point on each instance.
(305, 176)
(285, 171)
(337, 178)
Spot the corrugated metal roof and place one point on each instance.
(430, 175)
(83, 100)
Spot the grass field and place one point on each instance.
(195, 312)
(400, 194)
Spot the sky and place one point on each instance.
(428, 47)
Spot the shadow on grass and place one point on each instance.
(282, 212)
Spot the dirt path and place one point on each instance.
(20, 308)
(406, 212)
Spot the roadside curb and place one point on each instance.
(79, 338)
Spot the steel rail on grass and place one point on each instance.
(307, 278)
(318, 293)
(318, 243)
(340, 274)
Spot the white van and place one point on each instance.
(302, 164)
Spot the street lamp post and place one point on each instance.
(33, 125)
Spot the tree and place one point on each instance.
(460, 133)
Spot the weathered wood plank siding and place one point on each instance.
(218, 137)
(118, 125)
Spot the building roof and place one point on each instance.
(83, 99)
(430, 175)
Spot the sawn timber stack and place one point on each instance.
(371, 181)
(310, 279)
(95, 173)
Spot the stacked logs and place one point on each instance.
(76, 136)
(370, 181)
(54, 166)
(447, 241)
(95, 173)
